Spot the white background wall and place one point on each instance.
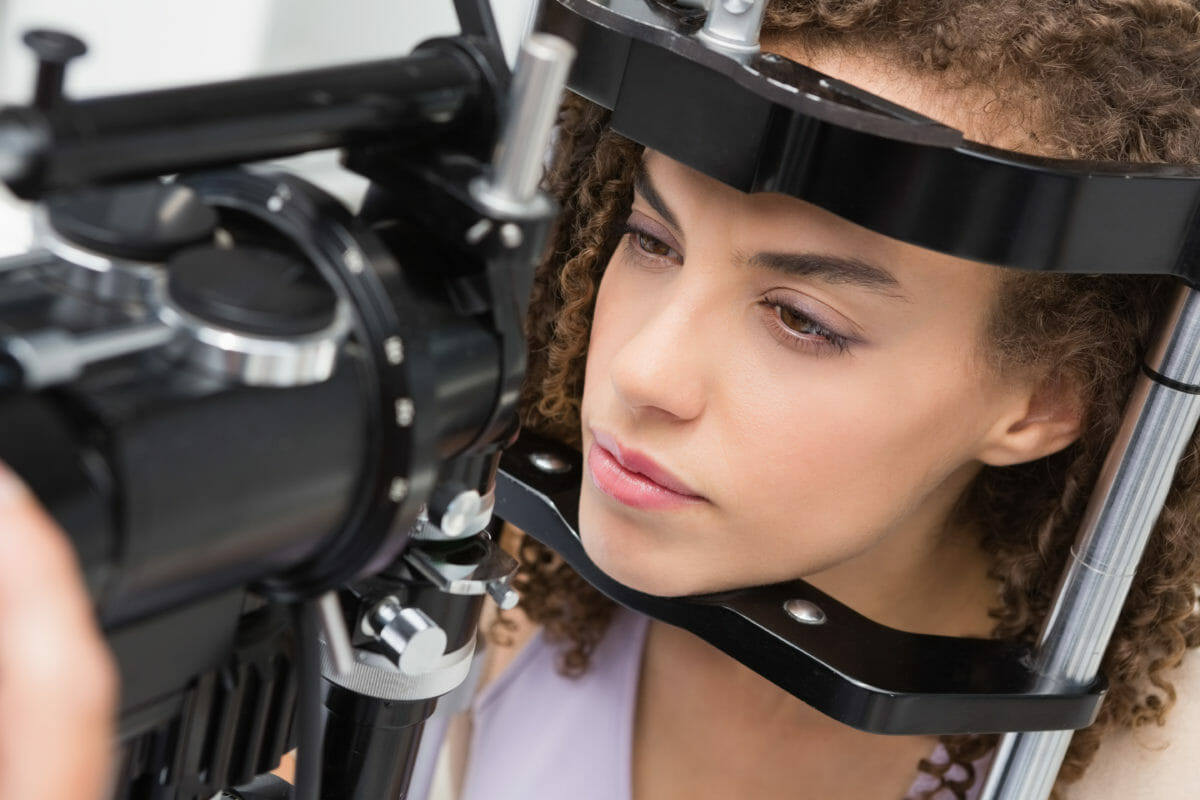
(144, 44)
(141, 44)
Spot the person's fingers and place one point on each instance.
(58, 684)
(287, 767)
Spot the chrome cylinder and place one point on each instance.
(732, 27)
(538, 83)
(1133, 484)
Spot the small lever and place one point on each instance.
(54, 50)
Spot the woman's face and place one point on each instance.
(773, 392)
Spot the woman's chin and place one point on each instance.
(643, 569)
(667, 558)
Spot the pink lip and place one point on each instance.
(634, 478)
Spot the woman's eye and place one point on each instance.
(650, 245)
(799, 323)
(802, 329)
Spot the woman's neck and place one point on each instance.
(704, 715)
(944, 590)
(709, 727)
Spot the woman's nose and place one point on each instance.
(662, 367)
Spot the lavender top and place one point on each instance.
(536, 733)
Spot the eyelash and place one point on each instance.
(817, 337)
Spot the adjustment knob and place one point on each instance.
(144, 221)
(251, 290)
(414, 641)
(253, 315)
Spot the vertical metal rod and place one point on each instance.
(1125, 504)
(538, 83)
(337, 638)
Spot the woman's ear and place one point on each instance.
(1041, 420)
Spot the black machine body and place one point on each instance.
(239, 396)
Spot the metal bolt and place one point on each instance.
(476, 232)
(393, 348)
(503, 594)
(398, 490)
(282, 195)
(456, 521)
(804, 611)
(511, 236)
(405, 412)
(354, 260)
(738, 6)
(549, 463)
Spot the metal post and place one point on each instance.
(732, 27)
(1125, 504)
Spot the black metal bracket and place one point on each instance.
(774, 125)
(857, 671)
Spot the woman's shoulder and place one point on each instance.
(1152, 761)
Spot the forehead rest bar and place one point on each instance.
(769, 124)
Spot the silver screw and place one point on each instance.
(398, 490)
(459, 513)
(503, 594)
(354, 260)
(276, 201)
(476, 232)
(804, 611)
(405, 412)
(511, 236)
(393, 348)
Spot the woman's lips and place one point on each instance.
(634, 479)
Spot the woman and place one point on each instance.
(772, 392)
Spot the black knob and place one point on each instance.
(144, 221)
(54, 50)
(251, 290)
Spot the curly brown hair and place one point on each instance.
(1115, 80)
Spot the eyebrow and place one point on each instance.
(828, 268)
(645, 187)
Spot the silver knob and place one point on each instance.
(462, 515)
(732, 27)
(415, 641)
